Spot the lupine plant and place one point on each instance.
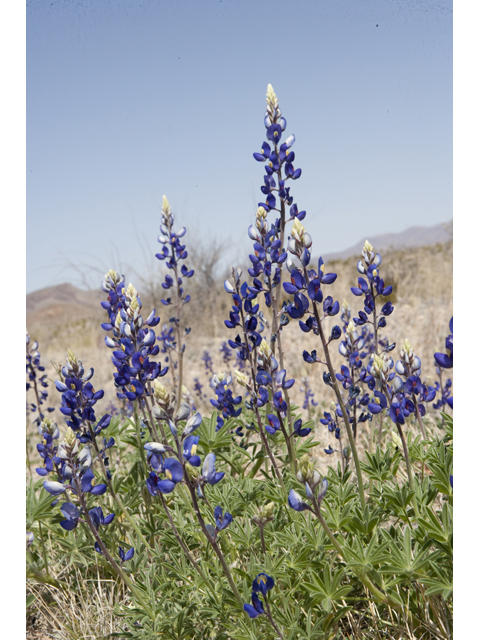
(37, 383)
(222, 526)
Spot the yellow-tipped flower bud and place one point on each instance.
(241, 378)
(272, 100)
(49, 426)
(306, 468)
(192, 472)
(166, 209)
(298, 231)
(397, 441)
(131, 292)
(70, 438)
(261, 213)
(407, 350)
(267, 510)
(380, 367)
(160, 392)
(351, 331)
(71, 358)
(265, 350)
(112, 278)
(367, 247)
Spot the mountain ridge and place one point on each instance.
(417, 236)
(46, 302)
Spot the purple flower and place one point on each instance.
(256, 608)
(295, 501)
(222, 521)
(71, 514)
(445, 360)
(125, 557)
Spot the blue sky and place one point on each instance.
(127, 101)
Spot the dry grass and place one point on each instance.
(82, 610)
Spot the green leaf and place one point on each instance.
(30, 599)
(44, 578)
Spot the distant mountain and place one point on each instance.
(66, 300)
(412, 237)
(63, 295)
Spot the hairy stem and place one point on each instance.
(346, 420)
(272, 621)
(182, 543)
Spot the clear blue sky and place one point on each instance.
(128, 100)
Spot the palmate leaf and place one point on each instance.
(406, 559)
(398, 500)
(448, 425)
(334, 617)
(326, 589)
(304, 445)
(39, 504)
(338, 517)
(439, 530)
(381, 465)
(211, 440)
(363, 523)
(364, 557)
(438, 581)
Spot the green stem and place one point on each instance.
(44, 551)
(419, 418)
(114, 493)
(365, 580)
(214, 544)
(139, 443)
(272, 621)
(346, 420)
(118, 570)
(182, 543)
(405, 455)
(290, 447)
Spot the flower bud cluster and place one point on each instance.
(73, 469)
(264, 515)
(132, 339)
(208, 363)
(173, 252)
(370, 266)
(315, 486)
(176, 469)
(444, 392)
(408, 390)
(308, 395)
(300, 242)
(224, 402)
(79, 398)
(35, 381)
(267, 258)
(166, 401)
